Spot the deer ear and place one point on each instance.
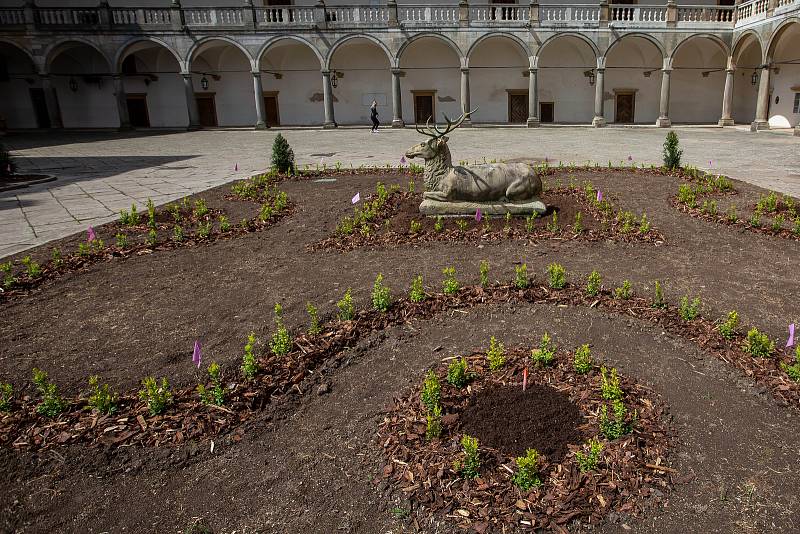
(443, 140)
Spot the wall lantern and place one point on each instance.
(754, 78)
(590, 74)
(73, 85)
(204, 83)
(334, 80)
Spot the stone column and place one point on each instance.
(392, 6)
(261, 117)
(533, 13)
(663, 108)
(191, 103)
(122, 103)
(727, 97)
(327, 93)
(599, 119)
(797, 131)
(397, 102)
(533, 98)
(464, 97)
(51, 97)
(762, 104)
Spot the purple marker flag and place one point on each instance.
(236, 167)
(356, 198)
(630, 158)
(791, 336)
(402, 160)
(196, 355)
(710, 164)
(599, 196)
(478, 215)
(91, 236)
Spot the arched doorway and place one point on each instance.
(83, 81)
(747, 59)
(633, 80)
(290, 74)
(566, 80)
(698, 81)
(363, 74)
(153, 86)
(222, 77)
(24, 104)
(498, 80)
(431, 79)
(784, 108)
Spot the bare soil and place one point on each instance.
(311, 462)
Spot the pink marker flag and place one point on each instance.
(356, 198)
(91, 236)
(524, 379)
(791, 336)
(402, 160)
(709, 163)
(599, 196)
(196, 355)
(236, 167)
(630, 158)
(478, 215)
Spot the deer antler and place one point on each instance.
(429, 131)
(450, 126)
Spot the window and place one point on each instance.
(796, 103)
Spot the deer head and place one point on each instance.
(436, 146)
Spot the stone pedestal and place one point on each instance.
(436, 207)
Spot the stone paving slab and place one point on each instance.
(100, 173)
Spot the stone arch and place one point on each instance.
(122, 52)
(719, 42)
(271, 42)
(197, 46)
(577, 35)
(374, 40)
(769, 50)
(526, 51)
(742, 39)
(423, 35)
(657, 43)
(19, 48)
(58, 47)
(633, 65)
(565, 86)
(698, 79)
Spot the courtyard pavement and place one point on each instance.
(100, 173)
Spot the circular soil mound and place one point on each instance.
(512, 421)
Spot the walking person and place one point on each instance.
(374, 116)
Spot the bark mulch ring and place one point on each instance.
(391, 218)
(178, 224)
(556, 415)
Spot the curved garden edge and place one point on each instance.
(24, 428)
(628, 476)
(11, 185)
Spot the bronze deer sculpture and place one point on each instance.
(499, 182)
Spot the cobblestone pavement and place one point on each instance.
(100, 173)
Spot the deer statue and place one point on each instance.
(500, 183)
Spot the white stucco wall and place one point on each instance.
(166, 101)
(431, 64)
(744, 92)
(693, 98)
(626, 64)
(366, 76)
(233, 92)
(496, 66)
(781, 114)
(93, 105)
(562, 63)
(300, 86)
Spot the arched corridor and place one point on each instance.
(633, 81)
(24, 105)
(363, 74)
(430, 80)
(566, 80)
(499, 70)
(223, 84)
(698, 81)
(291, 83)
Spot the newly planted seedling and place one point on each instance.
(727, 328)
(609, 384)
(417, 291)
(215, 392)
(347, 310)
(157, 397)
(527, 475)
(588, 461)
(314, 327)
(458, 374)
(558, 275)
(281, 343)
(625, 291)
(593, 284)
(544, 355)
(102, 398)
(470, 466)
(758, 344)
(496, 354)
(51, 404)
(689, 311)
(582, 361)
(521, 276)
(249, 363)
(484, 273)
(450, 285)
(381, 295)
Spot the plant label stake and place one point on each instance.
(791, 336)
(599, 196)
(236, 167)
(356, 198)
(478, 215)
(196, 355)
(524, 379)
(91, 235)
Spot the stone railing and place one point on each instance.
(141, 17)
(357, 15)
(284, 16)
(12, 16)
(426, 14)
(636, 15)
(65, 17)
(705, 14)
(498, 14)
(214, 17)
(560, 14)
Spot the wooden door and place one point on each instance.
(423, 107)
(207, 110)
(547, 112)
(40, 107)
(626, 104)
(517, 107)
(137, 110)
(271, 109)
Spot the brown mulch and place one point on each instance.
(630, 467)
(740, 223)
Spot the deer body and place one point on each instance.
(500, 182)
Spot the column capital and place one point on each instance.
(533, 70)
(464, 70)
(326, 72)
(397, 71)
(256, 73)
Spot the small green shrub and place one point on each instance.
(582, 362)
(758, 344)
(55, 257)
(625, 291)
(249, 362)
(204, 229)
(613, 428)
(521, 276)
(152, 238)
(545, 354)
(593, 284)
(689, 311)
(281, 343)
(470, 466)
(558, 275)
(314, 327)
(496, 354)
(282, 155)
(417, 291)
(527, 475)
(433, 418)
(462, 225)
(32, 268)
(347, 310)
(552, 226)
(530, 222)
(101, 398)
(416, 227)
(431, 391)
(122, 240)
(628, 221)
(450, 285)
(224, 224)
(672, 153)
(686, 195)
(6, 396)
(644, 224)
(727, 328)
(177, 234)
(458, 374)
(588, 461)
(200, 208)
(381, 295)
(215, 394)
(609, 384)
(438, 226)
(484, 273)
(157, 397)
(266, 212)
(658, 299)
(577, 226)
(731, 215)
(792, 370)
(52, 404)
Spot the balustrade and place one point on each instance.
(422, 13)
(284, 16)
(12, 16)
